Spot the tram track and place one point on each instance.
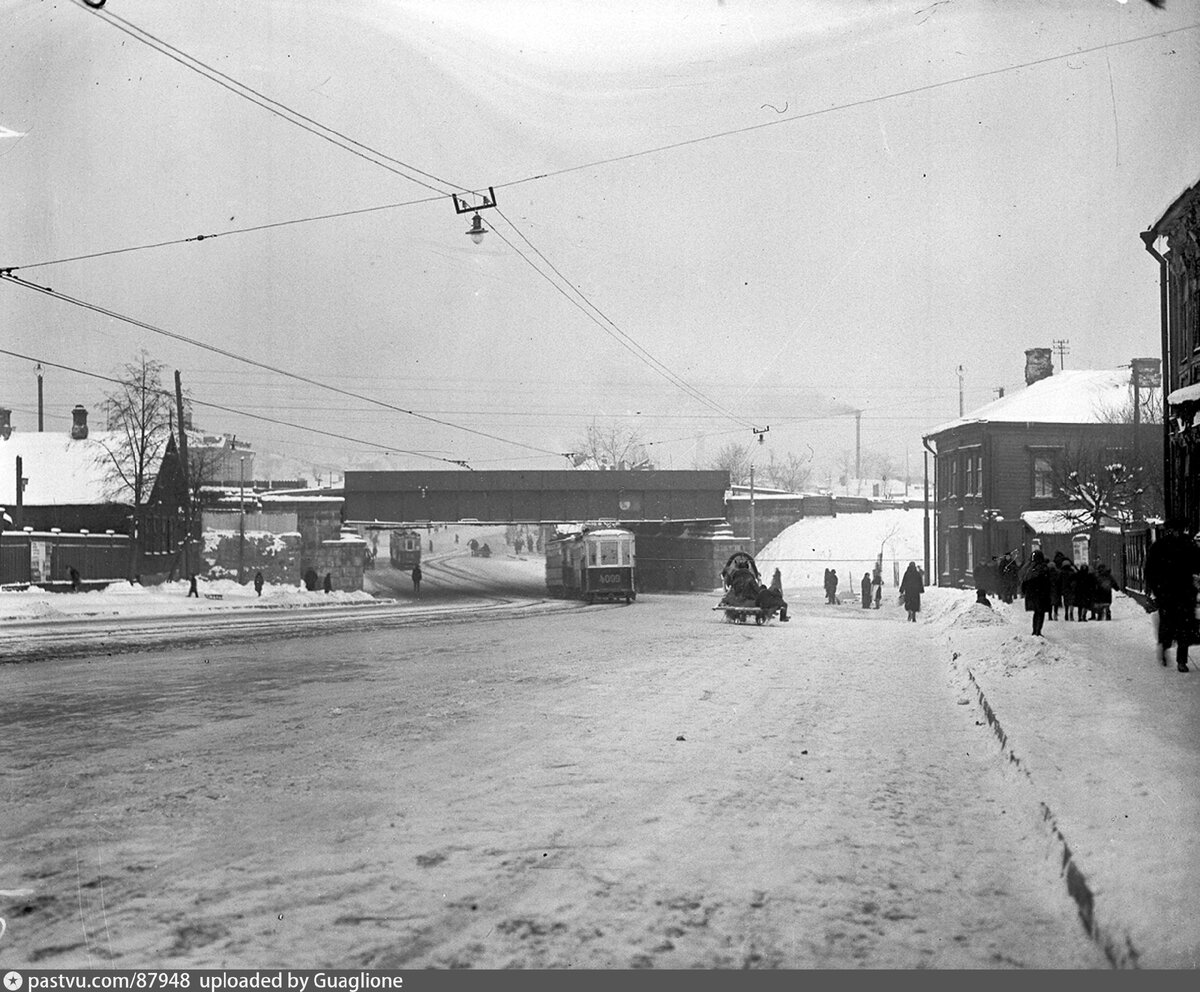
(22, 643)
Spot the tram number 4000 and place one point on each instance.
(611, 578)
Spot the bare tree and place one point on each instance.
(735, 459)
(1149, 405)
(1097, 489)
(791, 474)
(139, 423)
(615, 445)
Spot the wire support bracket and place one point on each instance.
(462, 207)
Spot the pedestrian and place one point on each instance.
(258, 582)
(1085, 591)
(1056, 584)
(878, 586)
(1035, 585)
(1105, 583)
(866, 591)
(831, 584)
(1010, 576)
(328, 584)
(911, 588)
(770, 598)
(192, 590)
(1171, 568)
(431, 544)
(1067, 572)
(416, 579)
(455, 537)
(76, 582)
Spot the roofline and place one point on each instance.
(1153, 232)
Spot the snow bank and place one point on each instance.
(123, 599)
(849, 543)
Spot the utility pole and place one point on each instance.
(241, 518)
(1063, 348)
(185, 475)
(857, 446)
(753, 546)
(38, 370)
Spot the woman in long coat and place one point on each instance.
(1035, 584)
(866, 591)
(911, 588)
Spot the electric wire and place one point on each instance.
(227, 409)
(220, 234)
(96, 308)
(596, 163)
(853, 104)
(281, 110)
(700, 397)
(626, 340)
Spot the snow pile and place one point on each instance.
(849, 543)
(124, 599)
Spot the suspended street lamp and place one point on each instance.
(461, 206)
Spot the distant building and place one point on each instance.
(1174, 240)
(67, 485)
(998, 469)
(220, 459)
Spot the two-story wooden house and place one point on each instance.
(1000, 468)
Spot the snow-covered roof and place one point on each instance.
(1186, 394)
(1049, 522)
(61, 471)
(1075, 396)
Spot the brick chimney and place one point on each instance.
(1038, 365)
(79, 428)
(5, 423)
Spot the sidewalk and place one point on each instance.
(1109, 743)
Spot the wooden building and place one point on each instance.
(1009, 458)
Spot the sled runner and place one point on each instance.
(741, 614)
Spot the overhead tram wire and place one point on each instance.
(6, 275)
(642, 152)
(276, 107)
(233, 410)
(237, 230)
(345, 141)
(620, 336)
(624, 339)
(853, 104)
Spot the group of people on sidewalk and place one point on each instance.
(1172, 574)
(1050, 586)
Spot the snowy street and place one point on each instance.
(604, 787)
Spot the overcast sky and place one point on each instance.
(862, 197)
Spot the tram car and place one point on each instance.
(405, 549)
(595, 564)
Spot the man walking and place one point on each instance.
(1172, 564)
(1035, 585)
(416, 577)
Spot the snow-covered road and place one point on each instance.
(604, 787)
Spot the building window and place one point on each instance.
(974, 474)
(954, 489)
(1043, 474)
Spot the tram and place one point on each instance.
(594, 564)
